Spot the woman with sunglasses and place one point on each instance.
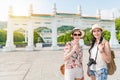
(100, 55)
(73, 57)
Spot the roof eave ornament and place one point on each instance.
(113, 16)
(99, 13)
(54, 9)
(79, 10)
(10, 12)
(30, 10)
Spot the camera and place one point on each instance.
(91, 61)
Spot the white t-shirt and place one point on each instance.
(100, 63)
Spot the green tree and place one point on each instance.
(36, 37)
(60, 38)
(3, 34)
(68, 37)
(106, 35)
(118, 35)
(88, 36)
(18, 37)
(64, 38)
(64, 28)
(117, 24)
(39, 29)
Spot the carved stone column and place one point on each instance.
(9, 42)
(113, 40)
(30, 46)
(54, 35)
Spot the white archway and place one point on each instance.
(53, 21)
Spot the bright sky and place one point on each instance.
(89, 7)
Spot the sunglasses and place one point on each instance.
(76, 34)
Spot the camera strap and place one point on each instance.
(96, 54)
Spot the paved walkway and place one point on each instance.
(40, 65)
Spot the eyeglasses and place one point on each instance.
(76, 34)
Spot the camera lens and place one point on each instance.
(91, 61)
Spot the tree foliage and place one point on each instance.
(3, 34)
(118, 35)
(106, 35)
(64, 29)
(37, 38)
(39, 29)
(88, 36)
(18, 37)
(64, 38)
(67, 33)
(117, 23)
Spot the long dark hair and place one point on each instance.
(93, 42)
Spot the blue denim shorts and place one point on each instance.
(100, 74)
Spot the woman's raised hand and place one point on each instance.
(101, 47)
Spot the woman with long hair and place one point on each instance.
(73, 57)
(99, 55)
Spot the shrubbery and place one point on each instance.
(87, 39)
(19, 38)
